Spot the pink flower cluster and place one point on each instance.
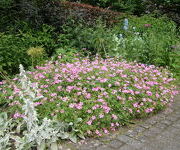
(101, 92)
(18, 115)
(147, 25)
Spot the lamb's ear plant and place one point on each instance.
(8, 128)
(4, 133)
(41, 134)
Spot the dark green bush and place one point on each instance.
(33, 12)
(89, 39)
(132, 6)
(139, 7)
(13, 47)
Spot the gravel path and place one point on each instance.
(159, 132)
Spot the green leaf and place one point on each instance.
(78, 120)
(64, 135)
(73, 138)
(81, 136)
(3, 117)
(18, 129)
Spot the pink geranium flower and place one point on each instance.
(147, 25)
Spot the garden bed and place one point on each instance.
(95, 97)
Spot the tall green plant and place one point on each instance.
(97, 39)
(149, 40)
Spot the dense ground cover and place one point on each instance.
(105, 94)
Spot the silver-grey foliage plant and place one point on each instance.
(40, 134)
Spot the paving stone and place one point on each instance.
(161, 116)
(169, 138)
(155, 130)
(87, 147)
(95, 142)
(167, 122)
(175, 109)
(91, 145)
(177, 116)
(168, 111)
(124, 138)
(177, 113)
(130, 141)
(146, 125)
(177, 102)
(151, 121)
(171, 118)
(106, 139)
(143, 138)
(103, 147)
(171, 131)
(67, 148)
(161, 126)
(151, 132)
(135, 143)
(116, 144)
(147, 133)
(163, 142)
(131, 133)
(178, 121)
(127, 147)
(139, 129)
(176, 125)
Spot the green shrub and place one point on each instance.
(34, 12)
(131, 6)
(13, 47)
(5, 3)
(149, 40)
(163, 2)
(67, 54)
(93, 40)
